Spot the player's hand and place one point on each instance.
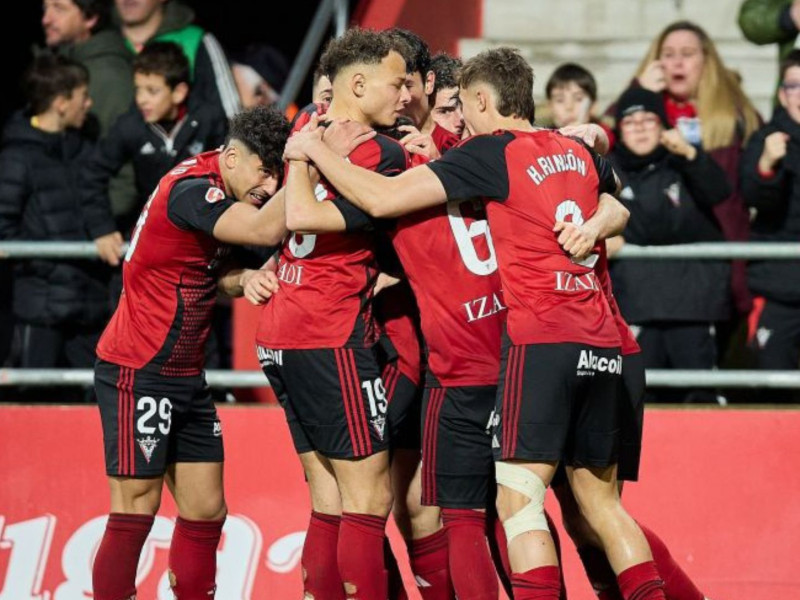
(345, 136)
(675, 143)
(259, 285)
(576, 240)
(653, 77)
(297, 145)
(417, 142)
(593, 135)
(109, 247)
(774, 150)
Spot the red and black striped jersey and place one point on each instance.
(170, 274)
(531, 180)
(325, 300)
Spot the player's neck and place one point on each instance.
(512, 123)
(427, 124)
(342, 110)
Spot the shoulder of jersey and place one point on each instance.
(304, 115)
(381, 148)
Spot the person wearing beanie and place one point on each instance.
(670, 187)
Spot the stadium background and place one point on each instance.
(720, 484)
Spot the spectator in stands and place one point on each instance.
(79, 29)
(571, 95)
(143, 21)
(771, 185)
(321, 89)
(156, 134)
(446, 102)
(260, 72)
(771, 22)
(60, 306)
(705, 101)
(670, 188)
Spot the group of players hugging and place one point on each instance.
(428, 364)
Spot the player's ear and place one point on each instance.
(483, 99)
(358, 85)
(430, 82)
(230, 155)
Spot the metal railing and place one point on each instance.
(707, 251)
(660, 378)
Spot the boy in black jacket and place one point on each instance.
(770, 179)
(60, 306)
(156, 134)
(669, 187)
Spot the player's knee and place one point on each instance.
(136, 496)
(520, 500)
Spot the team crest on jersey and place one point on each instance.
(217, 429)
(214, 194)
(148, 446)
(379, 423)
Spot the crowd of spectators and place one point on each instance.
(125, 90)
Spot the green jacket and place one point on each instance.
(110, 74)
(110, 66)
(768, 22)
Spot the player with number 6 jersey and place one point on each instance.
(157, 413)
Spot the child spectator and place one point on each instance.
(670, 188)
(571, 96)
(770, 180)
(156, 134)
(60, 306)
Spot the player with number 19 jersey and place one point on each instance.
(316, 335)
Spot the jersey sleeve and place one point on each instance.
(476, 168)
(605, 172)
(197, 204)
(382, 155)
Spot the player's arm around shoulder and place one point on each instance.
(378, 195)
(303, 213)
(245, 224)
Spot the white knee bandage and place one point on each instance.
(531, 517)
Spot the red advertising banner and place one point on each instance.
(719, 486)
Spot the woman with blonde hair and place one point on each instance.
(705, 102)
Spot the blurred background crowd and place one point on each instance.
(115, 92)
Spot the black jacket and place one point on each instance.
(670, 200)
(39, 201)
(153, 151)
(776, 201)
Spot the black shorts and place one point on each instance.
(558, 402)
(151, 421)
(334, 399)
(405, 409)
(457, 462)
(631, 419)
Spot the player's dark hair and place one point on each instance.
(358, 46)
(447, 69)
(572, 73)
(166, 59)
(791, 60)
(264, 130)
(51, 76)
(414, 50)
(318, 73)
(511, 77)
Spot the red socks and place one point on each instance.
(600, 573)
(114, 570)
(641, 582)
(471, 566)
(320, 568)
(542, 583)
(193, 558)
(430, 565)
(677, 585)
(360, 556)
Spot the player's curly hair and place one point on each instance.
(414, 50)
(511, 77)
(447, 70)
(264, 130)
(359, 46)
